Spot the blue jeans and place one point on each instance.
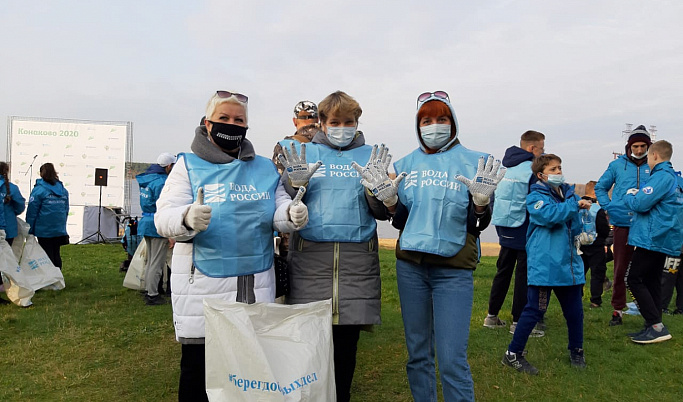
(436, 304)
(536, 306)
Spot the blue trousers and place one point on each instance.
(538, 298)
(436, 305)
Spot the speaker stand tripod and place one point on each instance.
(99, 237)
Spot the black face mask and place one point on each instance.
(227, 136)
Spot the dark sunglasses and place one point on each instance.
(427, 95)
(226, 94)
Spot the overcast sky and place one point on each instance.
(576, 71)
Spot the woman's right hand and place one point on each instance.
(199, 215)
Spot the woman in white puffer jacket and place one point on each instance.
(221, 204)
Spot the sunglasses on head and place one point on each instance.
(427, 95)
(226, 94)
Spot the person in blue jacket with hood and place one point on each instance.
(511, 221)
(12, 201)
(553, 264)
(151, 183)
(655, 233)
(48, 208)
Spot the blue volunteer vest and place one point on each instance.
(509, 207)
(337, 208)
(239, 239)
(438, 204)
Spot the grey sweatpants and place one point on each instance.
(157, 247)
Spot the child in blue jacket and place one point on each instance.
(655, 233)
(554, 264)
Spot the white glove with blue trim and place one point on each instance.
(298, 170)
(375, 176)
(485, 181)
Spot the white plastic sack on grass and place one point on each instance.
(17, 287)
(37, 267)
(269, 352)
(135, 276)
(22, 234)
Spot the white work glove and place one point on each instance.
(298, 211)
(298, 170)
(375, 176)
(633, 191)
(577, 243)
(2, 235)
(485, 181)
(586, 238)
(199, 215)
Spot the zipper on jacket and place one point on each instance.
(192, 274)
(571, 254)
(335, 285)
(300, 246)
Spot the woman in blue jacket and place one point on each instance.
(554, 265)
(48, 208)
(13, 203)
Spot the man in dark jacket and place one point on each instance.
(511, 221)
(594, 254)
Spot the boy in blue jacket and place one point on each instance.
(655, 233)
(553, 262)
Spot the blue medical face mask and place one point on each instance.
(555, 179)
(435, 136)
(340, 136)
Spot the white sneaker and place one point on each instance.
(535, 333)
(494, 322)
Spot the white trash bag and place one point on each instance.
(38, 268)
(17, 286)
(22, 234)
(269, 351)
(135, 276)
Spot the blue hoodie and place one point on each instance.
(624, 174)
(515, 238)
(553, 225)
(48, 208)
(658, 212)
(151, 183)
(12, 208)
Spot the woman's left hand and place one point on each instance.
(375, 176)
(485, 181)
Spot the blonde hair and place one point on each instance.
(339, 103)
(217, 100)
(663, 148)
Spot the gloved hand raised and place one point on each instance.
(375, 176)
(298, 170)
(298, 211)
(199, 215)
(485, 181)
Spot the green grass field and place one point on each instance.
(96, 341)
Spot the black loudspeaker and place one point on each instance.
(101, 177)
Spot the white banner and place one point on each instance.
(76, 148)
